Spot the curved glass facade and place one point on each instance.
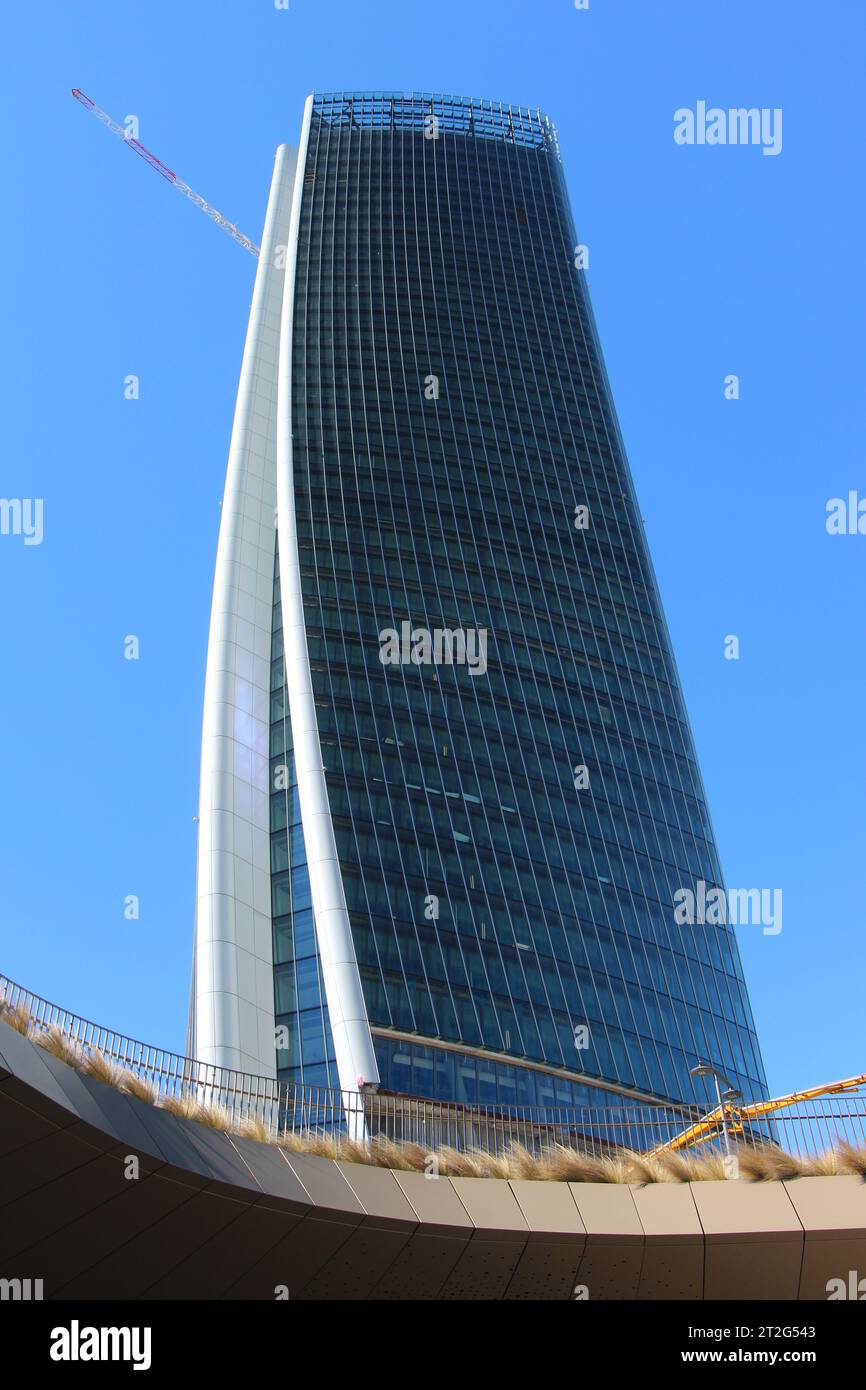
(511, 775)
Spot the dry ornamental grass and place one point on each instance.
(556, 1163)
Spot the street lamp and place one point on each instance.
(730, 1093)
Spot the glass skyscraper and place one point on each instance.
(449, 789)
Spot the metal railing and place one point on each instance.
(170, 1074)
(808, 1128)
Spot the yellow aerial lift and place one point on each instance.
(729, 1118)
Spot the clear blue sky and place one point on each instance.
(704, 262)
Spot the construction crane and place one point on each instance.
(732, 1117)
(168, 174)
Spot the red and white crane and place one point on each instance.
(168, 174)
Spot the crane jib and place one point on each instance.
(168, 174)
